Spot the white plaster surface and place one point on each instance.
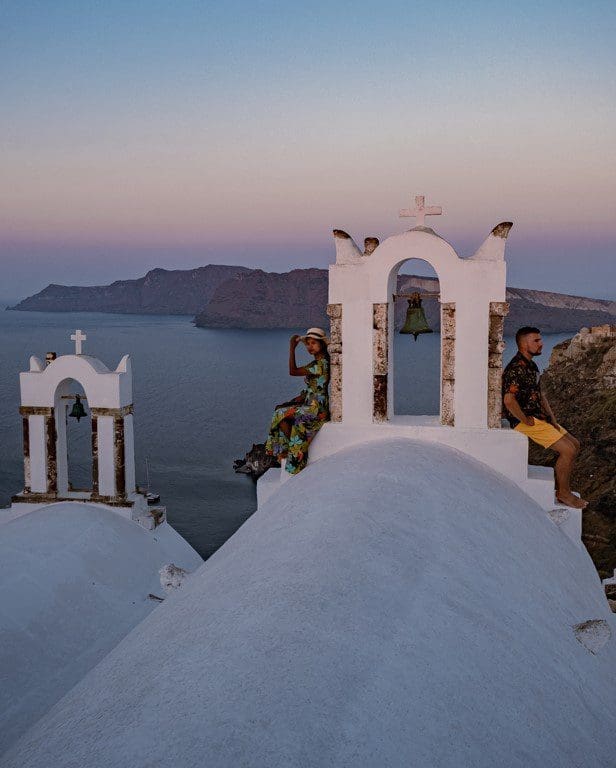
(106, 465)
(504, 450)
(394, 605)
(74, 579)
(103, 388)
(129, 454)
(38, 454)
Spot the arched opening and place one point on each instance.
(74, 442)
(416, 363)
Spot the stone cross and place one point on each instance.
(78, 337)
(420, 211)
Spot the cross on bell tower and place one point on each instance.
(421, 211)
(78, 337)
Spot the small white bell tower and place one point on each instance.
(109, 401)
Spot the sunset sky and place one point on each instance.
(177, 134)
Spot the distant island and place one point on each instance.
(221, 296)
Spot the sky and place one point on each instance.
(175, 134)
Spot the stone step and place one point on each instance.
(539, 485)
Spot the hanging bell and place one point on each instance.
(78, 410)
(415, 322)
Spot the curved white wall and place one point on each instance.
(396, 604)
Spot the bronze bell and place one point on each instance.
(415, 322)
(78, 410)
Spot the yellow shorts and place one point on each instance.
(541, 432)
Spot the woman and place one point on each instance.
(295, 423)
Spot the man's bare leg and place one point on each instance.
(576, 445)
(567, 450)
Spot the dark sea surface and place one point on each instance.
(202, 397)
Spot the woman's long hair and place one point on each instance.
(324, 349)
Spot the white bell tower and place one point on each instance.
(109, 401)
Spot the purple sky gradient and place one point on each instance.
(176, 135)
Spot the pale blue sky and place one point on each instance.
(142, 134)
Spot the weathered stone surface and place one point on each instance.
(593, 634)
(94, 455)
(334, 311)
(380, 339)
(448, 347)
(370, 245)
(502, 229)
(335, 361)
(52, 463)
(34, 410)
(119, 457)
(380, 398)
(380, 355)
(496, 346)
(115, 412)
(26, 449)
(447, 402)
(448, 362)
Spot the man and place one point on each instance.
(529, 412)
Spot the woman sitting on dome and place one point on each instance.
(295, 423)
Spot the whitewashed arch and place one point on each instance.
(109, 401)
(361, 286)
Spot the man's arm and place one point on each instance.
(547, 409)
(512, 405)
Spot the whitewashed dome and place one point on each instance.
(396, 604)
(74, 580)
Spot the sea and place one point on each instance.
(202, 398)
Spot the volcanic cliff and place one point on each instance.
(580, 383)
(237, 297)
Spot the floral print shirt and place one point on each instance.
(521, 378)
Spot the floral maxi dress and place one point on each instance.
(307, 414)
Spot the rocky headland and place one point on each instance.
(580, 383)
(221, 296)
(159, 292)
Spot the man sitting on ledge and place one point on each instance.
(528, 411)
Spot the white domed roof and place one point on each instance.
(74, 580)
(396, 604)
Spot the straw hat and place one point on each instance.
(316, 333)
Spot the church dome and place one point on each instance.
(74, 580)
(395, 604)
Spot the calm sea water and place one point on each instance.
(202, 397)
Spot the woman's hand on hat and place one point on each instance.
(295, 340)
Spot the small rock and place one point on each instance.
(172, 577)
(592, 634)
(558, 516)
(256, 462)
